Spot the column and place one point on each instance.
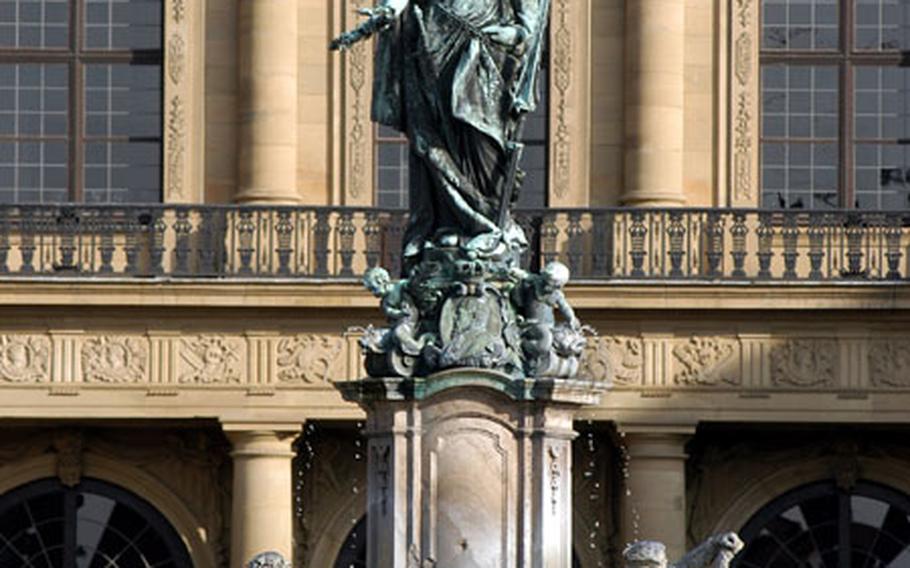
(262, 509)
(654, 503)
(655, 96)
(267, 76)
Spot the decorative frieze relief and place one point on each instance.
(804, 363)
(706, 361)
(743, 128)
(889, 363)
(309, 358)
(561, 67)
(24, 358)
(115, 360)
(210, 359)
(616, 358)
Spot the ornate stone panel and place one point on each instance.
(210, 359)
(616, 358)
(743, 119)
(889, 363)
(24, 358)
(804, 363)
(115, 359)
(706, 361)
(309, 358)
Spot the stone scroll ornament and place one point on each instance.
(716, 552)
(458, 79)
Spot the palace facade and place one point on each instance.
(190, 190)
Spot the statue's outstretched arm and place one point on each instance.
(378, 19)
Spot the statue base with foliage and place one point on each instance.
(461, 306)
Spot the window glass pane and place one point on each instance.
(882, 176)
(882, 25)
(123, 24)
(799, 101)
(34, 23)
(33, 99)
(800, 24)
(392, 173)
(881, 110)
(122, 172)
(800, 175)
(123, 100)
(33, 172)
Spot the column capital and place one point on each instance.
(656, 442)
(262, 440)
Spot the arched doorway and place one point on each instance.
(823, 526)
(92, 525)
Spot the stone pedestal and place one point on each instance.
(470, 468)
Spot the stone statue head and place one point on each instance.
(555, 275)
(377, 281)
(645, 554)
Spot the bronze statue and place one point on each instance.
(457, 77)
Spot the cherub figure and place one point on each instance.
(400, 310)
(544, 342)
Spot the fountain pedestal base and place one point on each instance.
(470, 468)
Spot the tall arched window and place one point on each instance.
(835, 104)
(80, 101)
(824, 526)
(95, 524)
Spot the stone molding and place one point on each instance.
(742, 77)
(183, 102)
(266, 362)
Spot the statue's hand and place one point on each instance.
(509, 36)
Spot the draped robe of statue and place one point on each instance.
(458, 96)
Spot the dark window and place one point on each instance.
(392, 158)
(835, 107)
(94, 524)
(821, 525)
(80, 101)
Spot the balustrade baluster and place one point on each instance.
(855, 231)
(182, 229)
(131, 249)
(676, 233)
(27, 239)
(66, 223)
(284, 228)
(714, 241)
(321, 233)
(372, 235)
(601, 244)
(638, 232)
(765, 233)
(816, 244)
(246, 229)
(576, 244)
(893, 232)
(790, 234)
(157, 231)
(4, 241)
(549, 239)
(346, 232)
(739, 231)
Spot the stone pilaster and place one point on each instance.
(262, 509)
(654, 502)
(268, 83)
(655, 97)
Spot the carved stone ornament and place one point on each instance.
(614, 358)
(804, 363)
(701, 361)
(268, 560)
(68, 444)
(889, 362)
(115, 360)
(308, 358)
(210, 359)
(24, 358)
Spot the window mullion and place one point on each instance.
(847, 192)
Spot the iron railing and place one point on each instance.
(636, 245)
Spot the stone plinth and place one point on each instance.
(470, 468)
